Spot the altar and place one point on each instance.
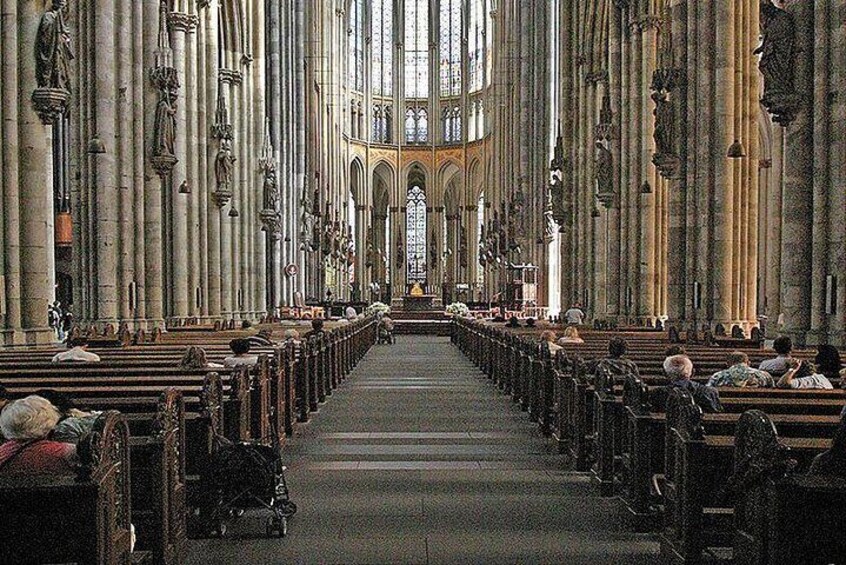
(419, 303)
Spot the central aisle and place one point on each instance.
(417, 458)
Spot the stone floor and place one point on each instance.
(417, 458)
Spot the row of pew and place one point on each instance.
(703, 482)
(159, 429)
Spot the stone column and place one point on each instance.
(797, 195)
(153, 189)
(104, 180)
(181, 25)
(10, 86)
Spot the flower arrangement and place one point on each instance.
(458, 309)
(377, 309)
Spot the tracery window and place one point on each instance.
(451, 117)
(381, 123)
(416, 235)
(450, 46)
(382, 33)
(416, 125)
(475, 45)
(417, 48)
(356, 47)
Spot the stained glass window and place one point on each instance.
(415, 218)
(356, 39)
(475, 45)
(451, 117)
(416, 125)
(382, 32)
(417, 48)
(450, 45)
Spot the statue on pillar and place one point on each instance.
(665, 117)
(463, 248)
(271, 188)
(604, 174)
(165, 124)
(223, 167)
(52, 49)
(778, 53)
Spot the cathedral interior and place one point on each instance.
(653, 160)
(183, 168)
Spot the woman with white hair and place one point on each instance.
(27, 424)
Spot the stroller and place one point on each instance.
(246, 475)
(386, 331)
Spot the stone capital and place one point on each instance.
(230, 76)
(180, 21)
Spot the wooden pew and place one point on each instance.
(782, 517)
(698, 507)
(644, 433)
(83, 519)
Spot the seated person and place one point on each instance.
(615, 363)
(317, 326)
(79, 353)
(776, 367)
(513, 322)
(530, 322)
(350, 313)
(548, 337)
(679, 369)
(828, 361)
(73, 423)
(571, 335)
(241, 354)
(27, 423)
(292, 334)
(803, 374)
(833, 461)
(262, 339)
(195, 358)
(739, 373)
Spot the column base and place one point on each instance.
(39, 336)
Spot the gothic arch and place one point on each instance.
(357, 180)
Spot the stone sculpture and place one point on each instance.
(778, 52)
(165, 123)
(52, 49)
(604, 174)
(664, 124)
(223, 166)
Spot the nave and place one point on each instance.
(418, 458)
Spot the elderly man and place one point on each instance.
(679, 369)
(738, 373)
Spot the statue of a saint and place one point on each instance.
(271, 189)
(165, 124)
(778, 51)
(223, 165)
(52, 49)
(604, 171)
(664, 124)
